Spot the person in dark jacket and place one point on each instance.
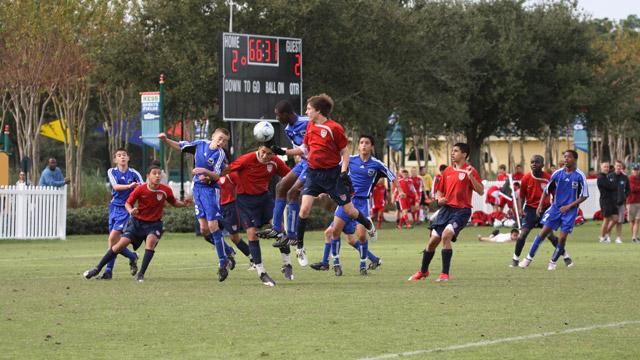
(608, 193)
(623, 189)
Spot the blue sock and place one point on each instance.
(534, 246)
(370, 255)
(256, 254)
(558, 252)
(325, 254)
(227, 248)
(335, 251)
(128, 254)
(278, 214)
(219, 243)
(364, 250)
(292, 216)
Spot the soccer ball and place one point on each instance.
(497, 223)
(263, 131)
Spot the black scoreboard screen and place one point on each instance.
(258, 71)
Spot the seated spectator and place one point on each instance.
(518, 174)
(52, 176)
(502, 173)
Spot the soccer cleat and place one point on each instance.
(287, 270)
(231, 263)
(267, 280)
(363, 272)
(514, 263)
(301, 254)
(338, 270)
(443, 277)
(375, 265)
(281, 241)
(568, 262)
(319, 266)
(139, 277)
(107, 275)
(419, 275)
(635, 240)
(252, 266)
(618, 240)
(552, 266)
(269, 234)
(524, 263)
(223, 271)
(373, 234)
(133, 265)
(90, 273)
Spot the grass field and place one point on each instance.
(48, 311)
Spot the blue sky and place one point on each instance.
(612, 9)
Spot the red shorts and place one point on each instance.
(405, 203)
(377, 207)
(412, 201)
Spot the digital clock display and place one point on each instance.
(257, 72)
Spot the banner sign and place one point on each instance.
(150, 118)
(580, 136)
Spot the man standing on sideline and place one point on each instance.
(454, 194)
(633, 202)
(427, 182)
(608, 189)
(622, 191)
(52, 176)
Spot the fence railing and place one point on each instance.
(33, 212)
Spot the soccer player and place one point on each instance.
(531, 189)
(364, 170)
(145, 223)
(379, 195)
(288, 188)
(325, 146)
(418, 186)
(454, 193)
(209, 157)
(255, 204)
(427, 182)
(570, 185)
(497, 237)
(405, 185)
(123, 180)
(230, 221)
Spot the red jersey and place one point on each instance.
(517, 176)
(417, 184)
(407, 186)
(151, 202)
(502, 177)
(379, 196)
(531, 189)
(253, 175)
(456, 186)
(228, 188)
(324, 143)
(436, 180)
(634, 195)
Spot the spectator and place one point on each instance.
(52, 176)
(622, 191)
(592, 174)
(607, 188)
(502, 173)
(22, 179)
(518, 174)
(633, 202)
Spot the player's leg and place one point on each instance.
(546, 230)
(111, 253)
(562, 240)
(293, 208)
(282, 187)
(619, 224)
(338, 226)
(361, 218)
(323, 264)
(305, 209)
(149, 250)
(427, 254)
(256, 254)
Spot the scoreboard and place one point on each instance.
(257, 72)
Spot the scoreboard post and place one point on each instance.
(258, 71)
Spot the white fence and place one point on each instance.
(589, 206)
(33, 212)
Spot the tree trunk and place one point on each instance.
(416, 151)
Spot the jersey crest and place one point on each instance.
(461, 176)
(210, 161)
(323, 133)
(159, 197)
(269, 167)
(371, 172)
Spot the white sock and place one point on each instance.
(260, 269)
(286, 260)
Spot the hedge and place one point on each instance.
(95, 220)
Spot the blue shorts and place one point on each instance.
(138, 230)
(301, 170)
(457, 218)
(553, 219)
(207, 202)
(118, 218)
(254, 210)
(531, 219)
(360, 203)
(326, 181)
(230, 219)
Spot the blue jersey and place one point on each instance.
(296, 131)
(364, 174)
(204, 157)
(117, 177)
(569, 186)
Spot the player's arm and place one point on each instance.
(542, 198)
(119, 187)
(575, 203)
(172, 143)
(475, 181)
(296, 151)
(133, 197)
(401, 193)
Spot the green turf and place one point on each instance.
(181, 311)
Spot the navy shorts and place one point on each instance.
(207, 202)
(457, 218)
(531, 219)
(301, 170)
(138, 230)
(118, 218)
(254, 210)
(326, 181)
(230, 218)
(362, 204)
